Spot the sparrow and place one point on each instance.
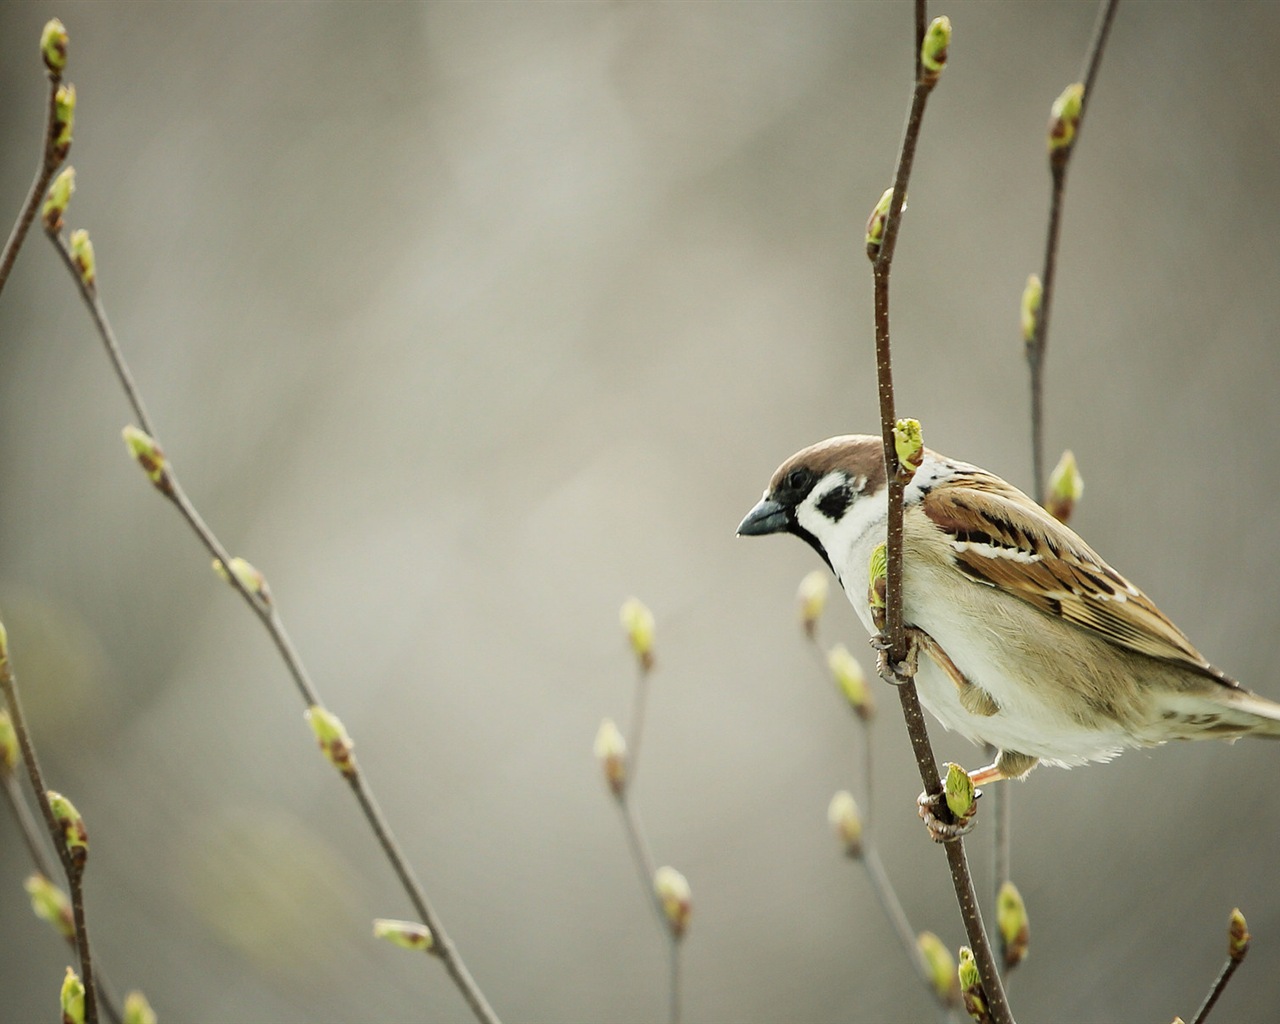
(1032, 643)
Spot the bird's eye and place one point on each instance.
(797, 479)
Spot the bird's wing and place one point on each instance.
(1003, 540)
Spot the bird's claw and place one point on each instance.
(932, 808)
(896, 673)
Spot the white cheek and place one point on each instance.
(850, 540)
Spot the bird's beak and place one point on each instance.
(767, 517)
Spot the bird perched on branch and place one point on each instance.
(1031, 642)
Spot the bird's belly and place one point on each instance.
(1022, 724)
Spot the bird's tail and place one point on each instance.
(1226, 712)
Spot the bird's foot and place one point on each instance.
(897, 673)
(943, 825)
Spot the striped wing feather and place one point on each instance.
(1004, 540)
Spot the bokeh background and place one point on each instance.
(466, 321)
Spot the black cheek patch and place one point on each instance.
(835, 503)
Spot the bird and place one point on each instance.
(1031, 642)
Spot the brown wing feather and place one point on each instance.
(1005, 541)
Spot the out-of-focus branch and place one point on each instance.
(53, 48)
(78, 257)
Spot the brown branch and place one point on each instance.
(1059, 159)
(50, 159)
(896, 639)
(269, 616)
(1228, 969)
(73, 869)
(1058, 162)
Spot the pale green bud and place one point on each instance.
(72, 998)
(959, 792)
(249, 577)
(876, 222)
(1064, 117)
(848, 675)
(1238, 936)
(611, 750)
(148, 455)
(405, 934)
(53, 45)
(74, 833)
(878, 578)
(975, 1002)
(844, 819)
(82, 256)
(332, 736)
(1032, 295)
(137, 1010)
(933, 51)
(812, 597)
(57, 199)
(9, 747)
(941, 967)
(49, 903)
(637, 620)
(908, 442)
(677, 900)
(1015, 931)
(1065, 488)
(64, 119)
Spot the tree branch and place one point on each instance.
(895, 635)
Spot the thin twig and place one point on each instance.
(1228, 969)
(50, 159)
(269, 616)
(1059, 160)
(637, 841)
(895, 634)
(74, 871)
(40, 858)
(1036, 347)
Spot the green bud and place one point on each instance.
(72, 998)
(49, 903)
(844, 819)
(405, 934)
(64, 119)
(676, 898)
(249, 577)
(335, 744)
(137, 1010)
(975, 1002)
(148, 455)
(74, 834)
(876, 222)
(1064, 117)
(611, 750)
(9, 748)
(1032, 294)
(57, 199)
(1238, 936)
(812, 596)
(53, 45)
(852, 681)
(941, 967)
(637, 620)
(82, 255)
(908, 442)
(877, 576)
(1011, 917)
(959, 792)
(1065, 488)
(933, 51)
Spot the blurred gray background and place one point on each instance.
(466, 321)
